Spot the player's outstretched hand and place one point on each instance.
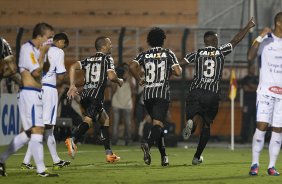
(142, 82)
(120, 82)
(72, 92)
(251, 23)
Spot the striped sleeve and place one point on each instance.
(190, 58)
(173, 58)
(83, 63)
(110, 63)
(5, 49)
(139, 58)
(226, 49)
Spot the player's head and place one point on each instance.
(42, 32)
(278, 20)
(103, 44)
(61, 40)
(156, 37)
(210, 39)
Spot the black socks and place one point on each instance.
(156, 137)
(82, 129)
(204, 138)
(105, 137)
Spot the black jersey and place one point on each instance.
(157, 63)
(5, 49)
(209, 63)
(95, 74)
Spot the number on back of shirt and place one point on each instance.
(151, 71)
(93, 73)
(209, 68)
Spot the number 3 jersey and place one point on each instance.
(209, 63)
(157, 63)
(95, 74)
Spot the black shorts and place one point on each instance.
(157, 108)
(92, 107)
(202, 102)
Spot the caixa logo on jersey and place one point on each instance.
(10, 119)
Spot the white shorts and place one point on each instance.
(269, 110)
(30, 107)
(50, 104)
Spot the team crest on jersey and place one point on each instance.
(209, 53)
(156, 55)
(32, 57)
(94, 59)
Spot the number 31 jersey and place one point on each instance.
(157, 63)
(209, 63)
(95, 74)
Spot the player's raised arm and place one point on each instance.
(252, 52)
(239, 36)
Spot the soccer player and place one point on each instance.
(158, 63)
(269, 94)
(54, 72)
(97, 69)
(31, 60)
(203, 97)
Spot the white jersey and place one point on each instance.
(55, 57)
(270, 81)
(29, 56)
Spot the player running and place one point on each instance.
(203, 97)
(158, 63)
(97, 69)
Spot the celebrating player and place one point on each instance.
(97, 68)
(158, 64)
(203, 98)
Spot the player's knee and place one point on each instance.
(105, 122)
(28, 133)
(37, 130)
(277, 129)
(262, 126)
(88, 120)
(158, 122)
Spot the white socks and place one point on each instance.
(28, 155)
(18, 142)
(36, 148)
(274, 148)
(258, 142)
(51, 142)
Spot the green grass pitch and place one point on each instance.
(220, 166)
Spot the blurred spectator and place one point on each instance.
(122, 105)
(249, 84)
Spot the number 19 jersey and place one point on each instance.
(209, 63)
(157, 63)
(95, 74)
